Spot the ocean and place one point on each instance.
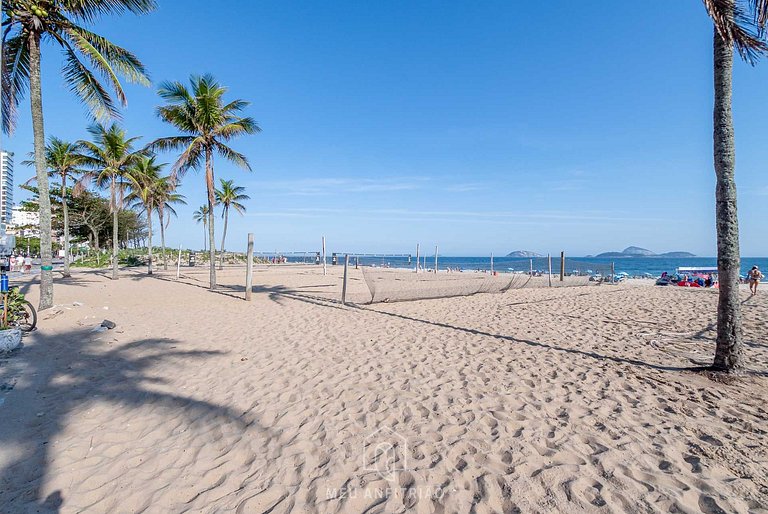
(634, 266)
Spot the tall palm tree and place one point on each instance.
(741, 25)
(110, 155)
(64, 162)
(206, 124)
(167, 197)
(201, 216)
(145, 184)
(25, 25)
(228, 196)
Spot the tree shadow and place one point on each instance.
(548, 346)
(59, 374)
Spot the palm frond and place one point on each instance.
(237, 127)
(737, 28)
(118, 58)
(85, 85)
(232, 156)
(91, 10)
(15, 78)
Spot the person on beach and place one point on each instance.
(754, 277)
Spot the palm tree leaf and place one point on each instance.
(760, 10)
(232, 156)
(737, 28)
(15, 78)
(83, 83)
(236, 127)
(107, 56)
(90, 10)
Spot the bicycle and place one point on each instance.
(18, 313)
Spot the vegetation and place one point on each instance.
(206, 124)
(201, 216)
(145, 181)
(110, 156)
(228, 196)
(741, 25)
(25, 25)
(63, 161)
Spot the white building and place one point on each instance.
(6, 188)
(20, 217)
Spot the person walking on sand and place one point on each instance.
(754, 277)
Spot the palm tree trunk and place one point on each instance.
(162, 238)
(729, 354)
(211, 201)
(223, 238)
(115, 236)
(205, 233)
(149, 235)
(38, 130)
(65, 210)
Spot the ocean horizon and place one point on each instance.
(634, 266)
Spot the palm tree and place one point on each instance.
(201, 216)
(63, 161)
(25, 24)
(206, 124)
(145, 183)
(110, 155)
(228, 196)
(733, 27)
(167, 197)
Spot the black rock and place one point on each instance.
(108, 324)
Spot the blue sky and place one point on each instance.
(481, 126)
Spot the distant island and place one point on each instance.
(636, 251)
(524, 253)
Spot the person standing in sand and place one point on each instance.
(754, 277)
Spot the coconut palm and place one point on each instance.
(206, 124)
(64, 162)
(25, 24)
(110, 155)
(741, 25)
(167, 197)
(201, 216)
(145, 184)
(228, 196)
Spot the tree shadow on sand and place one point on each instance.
(58, 374)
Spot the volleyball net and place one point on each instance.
(386, 284)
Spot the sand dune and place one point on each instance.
(535, 400)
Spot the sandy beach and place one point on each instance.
(577, 399)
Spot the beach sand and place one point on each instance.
(535, 400)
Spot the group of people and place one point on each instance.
(20, 263)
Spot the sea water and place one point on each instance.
(633, 266)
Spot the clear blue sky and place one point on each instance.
(481, 126)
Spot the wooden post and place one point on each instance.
(178, 264)
(325, 271)
(357, 261)
(549, 260)
(491, 263)
(613, 273)
(435, 259)
(562, 266)
(249, 269)
(531, 267)
(417, 257)
(344, 284)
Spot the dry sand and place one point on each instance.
(535, 400)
